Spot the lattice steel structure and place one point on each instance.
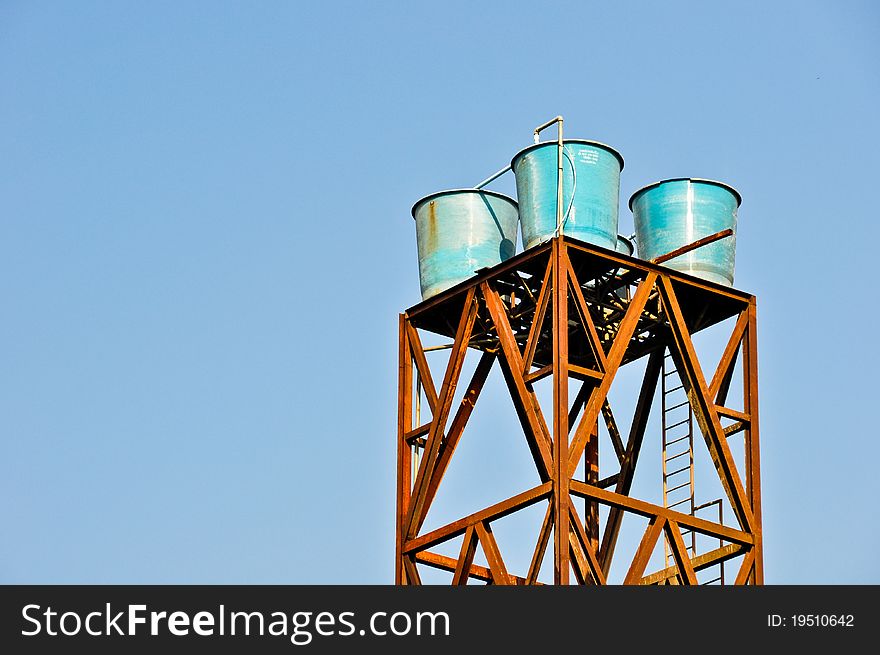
(566, 310)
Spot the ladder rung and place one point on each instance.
(681, 386)
(677, 456)
(675, 425)
(686, 402)
(675, 441)
(683, 468)
(678, 503)
(686, 484)
(718, 579)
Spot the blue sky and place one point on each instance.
(205, 241)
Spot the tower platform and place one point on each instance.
(572, 311)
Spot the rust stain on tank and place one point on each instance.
(431, 236)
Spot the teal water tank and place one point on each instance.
(461, 231)
(590, 187)
(673, 213)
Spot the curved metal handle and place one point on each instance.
(558, 121)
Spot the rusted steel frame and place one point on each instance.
(493, 556)
(686, 362)
(591, 476)
(412, 573)
(494, 272)
(415, 433)
(733, 428)
(724, 371)
(615, 358)
(644, 508)
(444, 563)
(560, 475)
(746, 572)
(609, 481)
(698, 563)
(752, 443)
(699, 243)
(541, 546)
(586, 319)
(732, 413)
(496, 511)
(540, 374)
(523, 310)
(586, 548)
(581, 373)
(538, 320)
(418, 354)
(640, 266)
(404, 453)
(524, 400)
(644, 551)
(633, 448)
(468, 401)
(613, 431)
(465, 557)
(418, 507)
(680, 553)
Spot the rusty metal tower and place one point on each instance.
(568, 310)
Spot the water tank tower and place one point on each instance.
(575, 311)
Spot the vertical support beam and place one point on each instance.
(404, 454)
(752, 444)
(591, 476)
(560, 475)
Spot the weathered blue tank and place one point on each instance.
(461, 231)
(673, 213)
(590, 187)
